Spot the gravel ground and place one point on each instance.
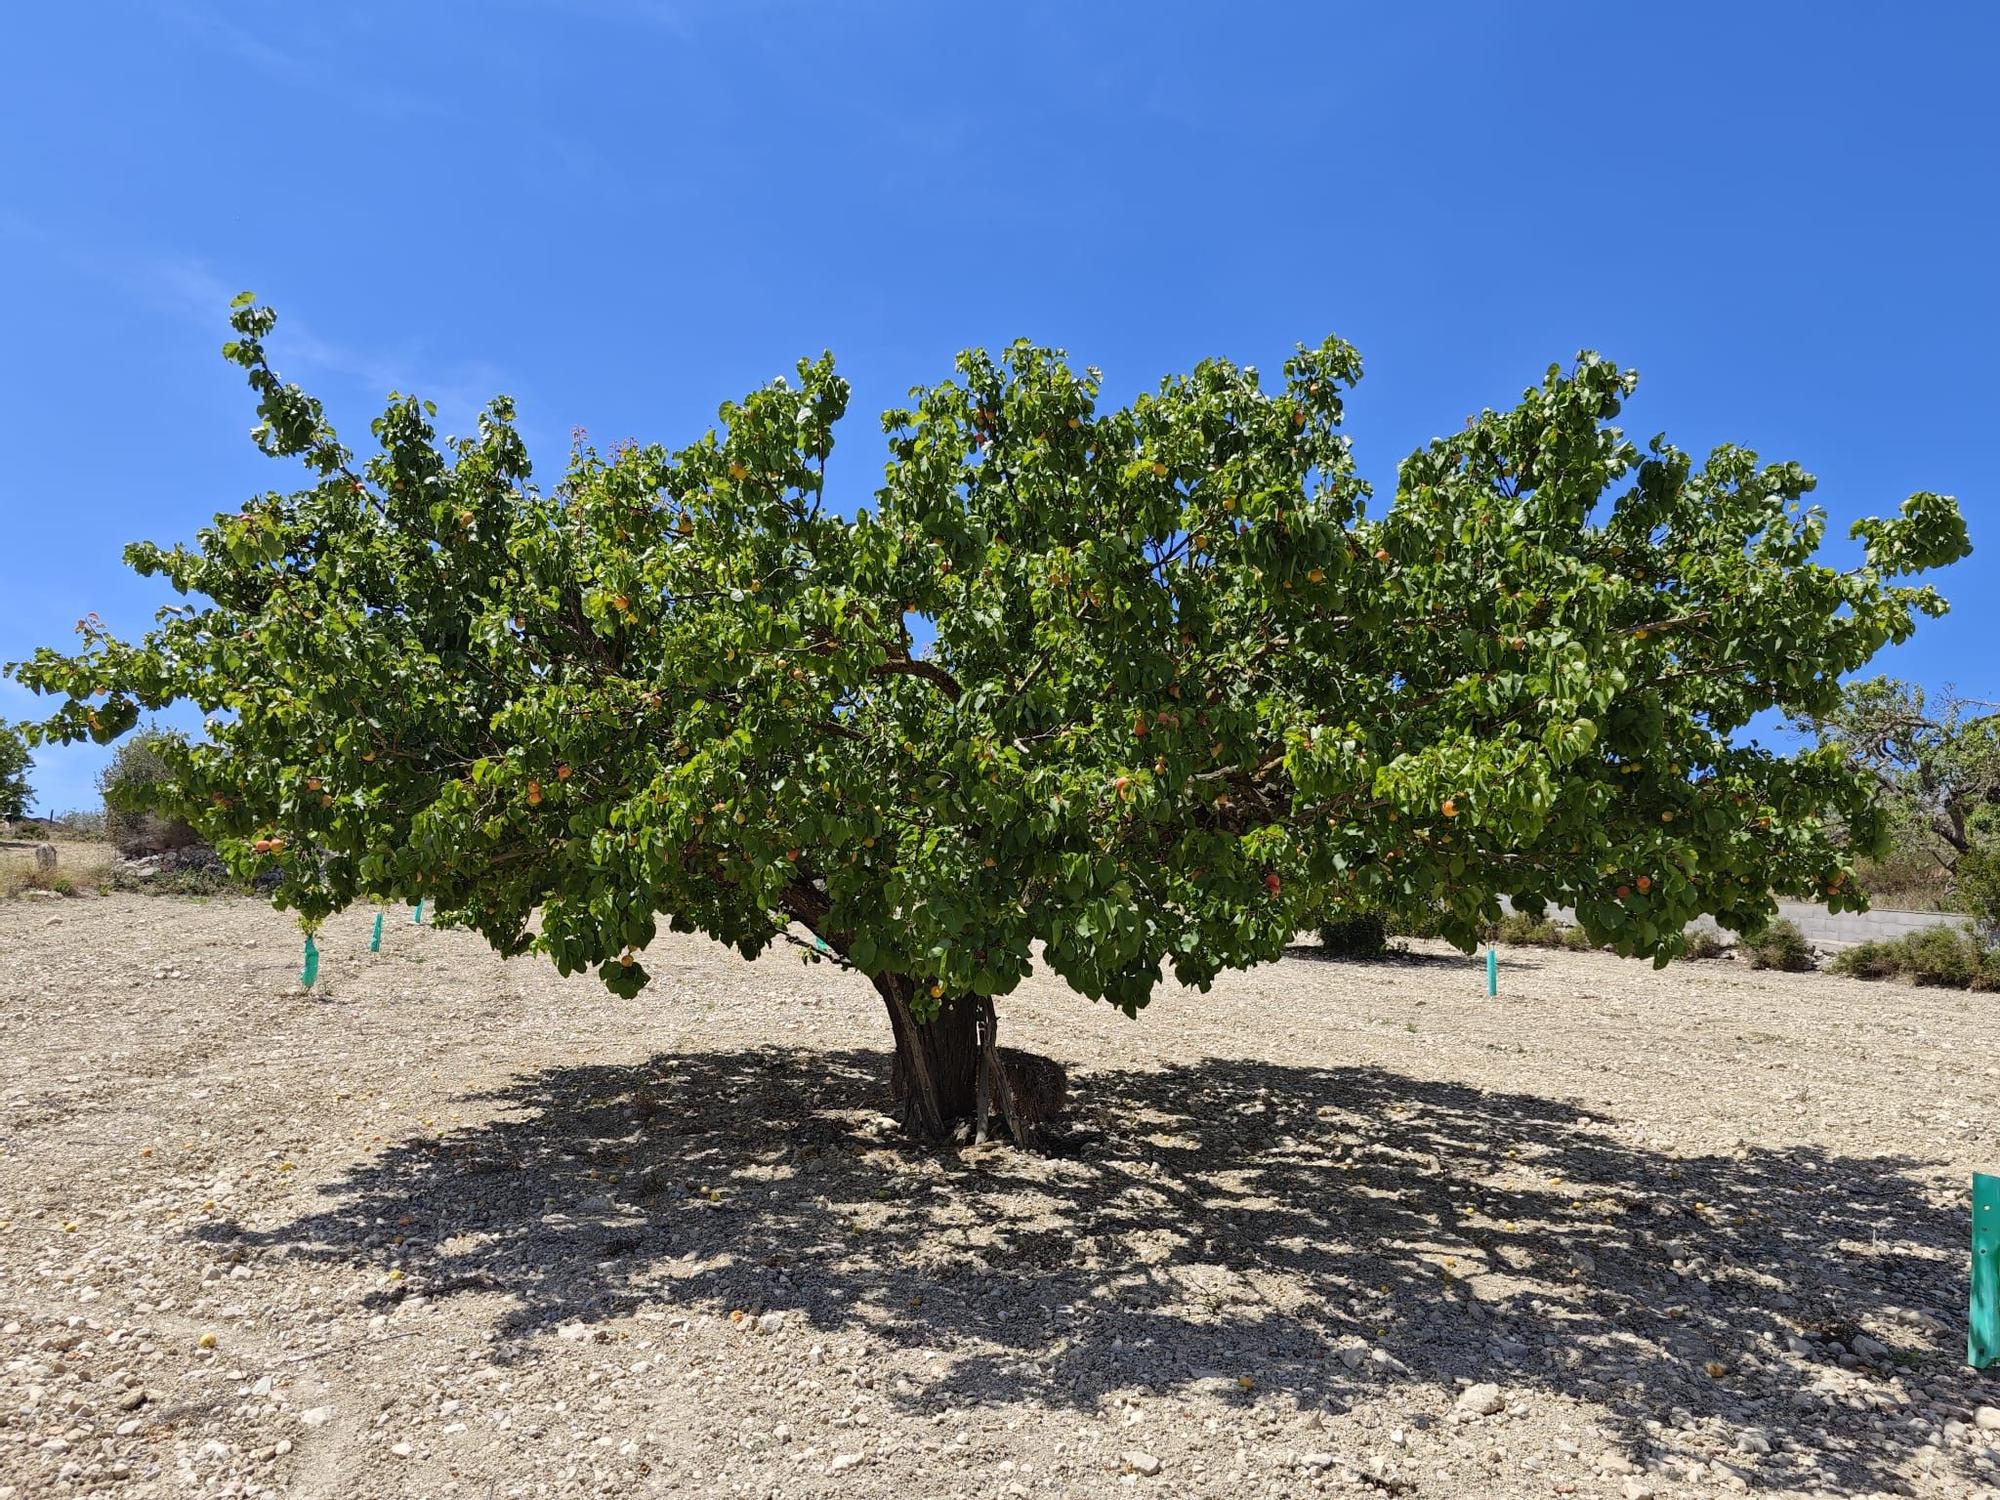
(447, 1226)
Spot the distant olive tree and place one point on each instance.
(1934, 760)
(15, 764)
(140, 770)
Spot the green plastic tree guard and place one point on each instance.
(418, 916)
(1492, 970)
(1982, 1333)
(311, 971)
(375, 942)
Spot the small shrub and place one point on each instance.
(1949, 957)
(1519, 930)
(1427, 924)
(1354, 937)
(1875, 959)
(1944, 956)
(1782, 946)
(1705, 942)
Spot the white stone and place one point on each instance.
(1142, 1462)
(1481, 1400)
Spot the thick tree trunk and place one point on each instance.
(937, 1075)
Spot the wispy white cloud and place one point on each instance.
(190, 290)
(303, 66)
(676, 16)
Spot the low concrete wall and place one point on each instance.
(1825, 929)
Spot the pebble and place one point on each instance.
(842, 1462)
(771, 1322)
(1987, 1419)
(1753, 1440)
(1872, 1350)
(1142, 1462)
(316, 1416)
(1481, 1400)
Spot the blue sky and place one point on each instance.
(623, 211)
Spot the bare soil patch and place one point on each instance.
(452, 1226)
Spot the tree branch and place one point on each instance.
(930, 671)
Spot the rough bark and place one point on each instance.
(936, 1077)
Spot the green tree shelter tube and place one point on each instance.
(1982, 1336)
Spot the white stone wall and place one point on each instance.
(1830, 930)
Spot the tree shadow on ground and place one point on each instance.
(1473, 966)
(1330, 1230)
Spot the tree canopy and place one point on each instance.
(1116, 689)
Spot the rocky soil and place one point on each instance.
(447, 1226)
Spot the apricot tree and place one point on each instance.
(1120, 690)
